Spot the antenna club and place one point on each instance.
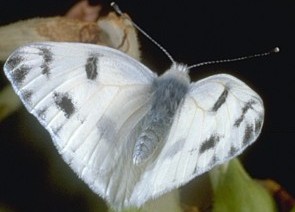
(276, 50)
(116, 8)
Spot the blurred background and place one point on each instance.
(192, 32)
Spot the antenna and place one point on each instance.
(118, 10)
(274, 50)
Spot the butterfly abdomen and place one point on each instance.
(167, 93)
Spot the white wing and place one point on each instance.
(219, 118)
(84, 95)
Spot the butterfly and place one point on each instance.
(130, 134)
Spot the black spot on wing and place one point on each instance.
(41, 113)
(19, 74)
(247, 106)
(47, 59)
(192, 151)
(64, 102)
(196, 170)
(209, 143)
(46, 54)
(13, 61)
(233, 150)
(45, 69)
(26, 96)
(91, 67)
(248, 135)
(220, 101)
(213, 161)
(258, 125)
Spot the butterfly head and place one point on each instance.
(178, 71)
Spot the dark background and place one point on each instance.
(192, 32)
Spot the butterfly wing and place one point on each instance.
(219, 118)
(89, 98)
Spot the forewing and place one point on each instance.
(218, 119)
(89, 98)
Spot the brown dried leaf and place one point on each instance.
(84, 11)
(112, 30)
(118, 32)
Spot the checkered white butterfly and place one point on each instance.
(129, 134)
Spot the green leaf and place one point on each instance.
(235, 191)
(167, 202)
